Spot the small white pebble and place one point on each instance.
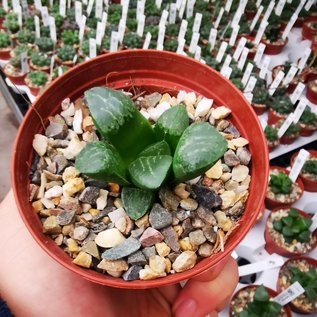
(48, 204)
(78, 120)
(181, 96)
(55, 191)
(69, 112)
(40, 144)
(145, 114)
(102, 199)
(203, 107)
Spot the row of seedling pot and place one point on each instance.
(258, 300)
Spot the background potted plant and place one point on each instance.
(260, 98)
(11, 23)
(36, 80)
(282, 192)
(65, 55)
(2, 17)
(44, 44)
(70, 37)
(13, 71)
(312, 91)
(40, 61)
(304, 271)
(273, 40)
(309, 28)
(279, 108)
(273, 140)
(287, 232)
(25, 37)
(291, 134)
(5, 46)
(307, 122)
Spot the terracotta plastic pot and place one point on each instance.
(249, 14)
(17, 80)
(274, 117)
(1, 23)
(5, 54)
(272, 247)
(259, 108)
(273, 145)
(45, 69)
(289, 139)
(273, 48)
(271, 203)
(150, 71)
(310, 261)
(271, 292)
(308, 32)
(306, 130)
(311, 94)
(309, 184)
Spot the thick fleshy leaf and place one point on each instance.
(117, 120)
(200, 147)
(100, 160)
(136, 201)
(171, 125)
(149, 172)
(159, 148)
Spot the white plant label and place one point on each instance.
(258, 3)
(182, 9)
(221, 51)
(5, 5)
(309, 4)
(59, 71)
(289, 294)
(279, 7)
(114, 41)
(82, 28)
(219, 17)
(313, 226)
(158, 3)
(228, 5)
(62, 8)
(99, 33)
(160, 38)
(75, 59)
(69, 3)
(45, 16)
(264, 67)
(104, 19)
(141, 23)
(53, 30)
(300, 7)
(243, 58)
(285, 125)
(125, 8)
(268, 11)
(52, 65)
(304, 59)
(99, 8)
(227, 61)
(182, 30)
(198, 53)
(179, 4)
(248, 96)
(273, 261)
(15, 4)
(241, 44)
(236, 18)
(250, 85)
(194, 42)
(290, 75)
(289, 26)
(38, 4)
(24, 63)
(180, 47)
(299, 109)
(37, 26)
(277, 80)
(25, 8)
(89, 7)
(226, 72)
(297, 92)
(92, 48)
(197, 22)
(172, 15)
(19, 13)
(299, 162)
(121, 29)
(247, 74)
(260, 32)
(78, 11)
(190, 8)
(259, 53)
(147, 40)
(234, 35)
(140, 8)
(212, 38)
(256, 18)
(85, 2)
(163, 19)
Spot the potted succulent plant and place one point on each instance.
(96, 73)
(312, 91)
(13, 71)
(65, 55)
(307, 122)
(256, 301)
(105, 45)
(260, 99)
(309, 28)
(5, 46)
(284, 67)
(273, 40)
(279, 107)
(273, 140)
(308, 173)
(56, 73)
(287, 232)
(40, 61)
(70, 38)
(282, 192)
(44, 44)
(2, 16)
(291, 134)
(25, 37)
(132, 40)
(11, 23)
(250, 10)
(36, 80)
(304, 271)
(171, 45)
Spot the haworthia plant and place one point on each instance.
(134, 152)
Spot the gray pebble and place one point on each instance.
(132, 273)
(187, 227)
(159, 217)
(244, 155)
(231, 159)
(56, 130)
(210, 234)
(169, 200)
(207, 216)
(206, 197)
(149, 251)
(65, 217)
(137, 258)
(80, 233)
(98, 227)
(124, 249)
(170, 238)
(61, 162)
(89, 195)
(232, 130)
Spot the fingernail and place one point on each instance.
(186, 308)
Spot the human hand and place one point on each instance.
(35, 285)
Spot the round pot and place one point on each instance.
(309, 184)
(17, 80)
(5, 53)
(249, 14)
(271, 292)
(140, 68)
(273, 48)
(64, 63)
(308, 32)
(274, 117)
(306, 130)
(293, 307)
(272, 203)
(289, 139)
(1, 23)
(272, 247)
(311, 93)
(45, 69)
(259, 108)
(273, 145)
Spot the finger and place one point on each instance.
(198, 298)
(170, 292)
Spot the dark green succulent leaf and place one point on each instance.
(288, 221)
(293, 213)
(117, 120)
(278, 225)
(171, 125)
(304, 236)
(261, 294)
(199, 147)
(136, 201)
(280, 183)
(243, 313)
(287, 232)
(159, 148)
(149, 172)
(100, 160)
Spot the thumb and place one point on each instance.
(207, 293)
